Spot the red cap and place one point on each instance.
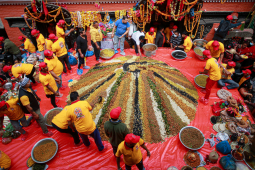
(53, 37)
(2, 103)
(247, 71)
(1, 38)
(215, 45)
(115, 113)
(42, 65)
(152, 29)
(131, 138)
(229, 17)
(34, 31)
(175, 27)
(6, 68)
(61, 22)
(232, 64)
(207, 53)
(48, 53)
(21, 38)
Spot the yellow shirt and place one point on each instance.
(60, 33)
(48, 79)
(40, 42)
(96, 34)
(187, 44)
(54, 65)
(243, 79)
(29, 46)
(168, 31)
(214, 69)
(14, 111)
(5, 161)
(48, 44)
(59, 47)
(130, 156)
(215, 54)
(60, 120)
(150, 37)
(79, 113)
(21, 68)
(225, 76)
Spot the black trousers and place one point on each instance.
(64, 59)
(69, 130)
(177, 48)
(136, 49)
(30, 76)
(96, 51)
(52, 99)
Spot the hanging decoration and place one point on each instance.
(85, 18)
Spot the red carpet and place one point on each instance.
(163, 155)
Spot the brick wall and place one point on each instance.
(18, 10)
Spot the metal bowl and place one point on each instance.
(41, 142)
(199, 56)
(186, 127)
(7, 86)
(196, 82)
(199, 43)
(149, 53)
(236, 160)
(174, 55)
(109, 56)
(45, 116)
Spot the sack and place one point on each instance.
(72, 59)
(6, 140)
(228, 163)
(223, 147)
(223, 29)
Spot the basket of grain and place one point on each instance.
(51, 114)
(44, 150)
(200, 80)
(199, 53)
(107, 53)
(192, 138)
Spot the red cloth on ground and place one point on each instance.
(208, 87)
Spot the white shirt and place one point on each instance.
(136, 35)
(132, 29)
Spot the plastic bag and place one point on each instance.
(228, 163)
(223, 147)
(72, 59)
(6, 140)
(89, 53)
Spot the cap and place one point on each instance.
(232, 64)
(131, 138)
(234, 17)
(152, 29)
(115, 113)
(48, 53)
(215, 45)
(1, 38)
(229, 17)
(34, 31)
(207, 53)
(42, 65)
(247, 71)
(175, 27)
(2, 103)
(53, 37)
(61, 22)
(6, 68)
(21, 38)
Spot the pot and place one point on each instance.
(213, 156)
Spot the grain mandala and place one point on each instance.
(156, 100)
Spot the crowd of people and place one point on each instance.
(230, 65)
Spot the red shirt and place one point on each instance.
(252, 50)
(243, 50)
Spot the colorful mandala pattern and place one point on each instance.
(156, 100)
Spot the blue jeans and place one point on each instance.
(139, 166)
(116, 41)
(96, 136)
(59, 84)
(232, 83)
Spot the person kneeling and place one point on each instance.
(226, 72)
